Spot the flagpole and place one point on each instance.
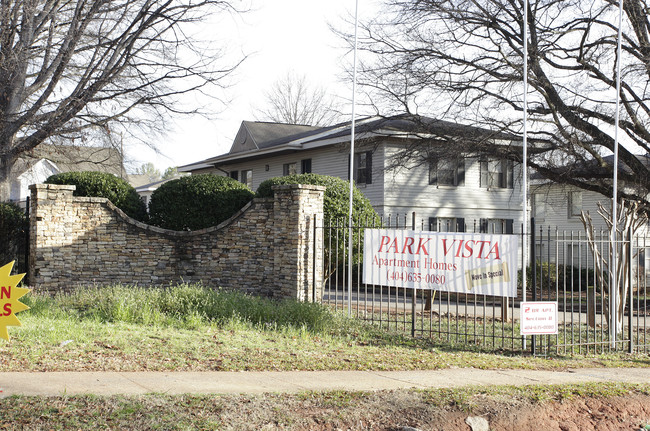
(613, 297)
(352, 136)
(525, 162)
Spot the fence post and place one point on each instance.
(533, 266)
(631, 292)
(314, 262)
(414, 298)
(27, 265)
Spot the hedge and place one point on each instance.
(104, 185)
(197, 201)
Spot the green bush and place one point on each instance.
(105, 185)
(197, 201)
(13, 229)
(336, 205)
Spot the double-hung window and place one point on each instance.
(496, 173)
(446, 224)
(247, 177)
(575, 204)
(363, 168)
(289, 169)
(447, 172)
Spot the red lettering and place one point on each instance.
(444, 246)
(480, 252)
(408, 243)
(388, 245)
(421, 246)
(469, 248)
(7, 309)
(384, 241)
(494, 250)
(5, 292)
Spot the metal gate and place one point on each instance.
(560, 268)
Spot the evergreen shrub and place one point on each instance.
(104, 185)
(197, 201)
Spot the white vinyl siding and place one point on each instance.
(407, 190)
(324, 161)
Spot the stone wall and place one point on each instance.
(269, 248)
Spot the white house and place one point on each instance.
(37, 165)
(463, 191)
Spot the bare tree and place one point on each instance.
(463, 60)
(72, 68)
(149, 170)
(293, 100)
(628, 222)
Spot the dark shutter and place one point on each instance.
(234, 175)
(369, 167)
(510, 225)
(484, 173)
(433, 172)
(347, 168)
(461, 173)
(483, 226)
(433, 224)
(305, 166)
(460, 224)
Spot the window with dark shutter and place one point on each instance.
(305, 166)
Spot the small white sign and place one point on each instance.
(538, 318)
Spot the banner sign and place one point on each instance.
(484, 264)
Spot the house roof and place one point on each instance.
(258, 140)
(70, 158)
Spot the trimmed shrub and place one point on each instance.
(337, 194)
(197, 201)
(13, 229)
(104, 185)
(336, 206)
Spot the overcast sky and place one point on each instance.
(279, 36)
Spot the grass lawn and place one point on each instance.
(190, 327)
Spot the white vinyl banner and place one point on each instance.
(484, 264)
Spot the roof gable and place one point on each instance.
(253, 135)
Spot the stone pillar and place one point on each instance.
(298, 241)
(48, 230)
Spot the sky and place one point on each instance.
(279, 36)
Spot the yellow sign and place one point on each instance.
(9, 295)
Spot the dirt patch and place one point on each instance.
(397, 410)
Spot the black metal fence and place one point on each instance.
(560, 268)
(14, 235)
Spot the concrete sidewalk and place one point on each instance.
(252, 382)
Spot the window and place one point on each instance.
(363, 168)
(539, 206)
(247, 177)
(446, 224)
(496, 225)
(447, 172)
(289, 169)
(496, 174)
(305, 166)
(234, 175)
(575, 204)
